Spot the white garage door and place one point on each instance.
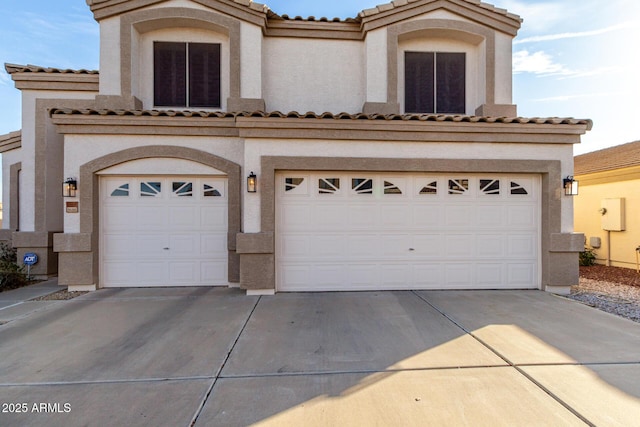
(359, 231)
(159, 231)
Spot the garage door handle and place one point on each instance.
(166, 249)
(411, 249)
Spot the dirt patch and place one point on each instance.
(625, 276)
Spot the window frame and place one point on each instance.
(185, 77)
(426, 60)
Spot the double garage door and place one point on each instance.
(163, 231)
(357, 231)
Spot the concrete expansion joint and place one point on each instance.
(115, 381)
(511, 364)
(224, 363)
(363, 371)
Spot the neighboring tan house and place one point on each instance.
(608, 205)
(385, 149)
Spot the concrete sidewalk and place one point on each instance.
(216, 357)
(17, 304)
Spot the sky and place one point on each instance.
(571, 58)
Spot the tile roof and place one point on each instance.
(618, 157)
(260, 7)
(15, 68)
(10, 141)
(327, 115)
(312, 18)
(366, 13)
(248, 3)
(398, 3)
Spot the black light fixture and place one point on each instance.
(69, 188)
(570, 186)
(252, 183)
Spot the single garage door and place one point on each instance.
(163, 231)
(358, 231)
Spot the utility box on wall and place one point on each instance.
(613, 214)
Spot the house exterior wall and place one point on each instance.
(272, 64)
(42, 162)
(81, 149)
(10, 200)
(256, 149)
(251, 59)
(503, 67)
(110, 57)
(618, 246)
(313, 75)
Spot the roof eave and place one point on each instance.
(10, 141)
(242, 9)
(401, 10)
(419, 128)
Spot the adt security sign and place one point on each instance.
(30, 259)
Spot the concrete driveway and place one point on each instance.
(215, 357)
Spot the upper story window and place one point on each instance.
(435, 82)
(186, 74)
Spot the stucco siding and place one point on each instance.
(376, 65)
(440, 14)
(81, 149)
(588, 219)
(251, 61)
(35, 123)
(503, 89)
(110, 56)
(314, 75)
(53, 177)
(8, 158)
(255, 149)
(180, 3)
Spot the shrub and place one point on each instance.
(11, 274)
(587, 257)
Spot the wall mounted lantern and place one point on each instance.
(69, 188)
(570, 186)
(252, 183)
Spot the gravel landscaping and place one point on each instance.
(59, 296)
(612, 289)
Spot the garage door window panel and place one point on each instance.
(121, 191)
(150, 189)
(328, 185)
(391, 188)
(430, 189)
(296, 185)
(458, 186)
(210, 191)
(182, 189)
(490, 186)
(362, 185)
(517, 189)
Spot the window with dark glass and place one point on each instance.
(434, 82)
(186, 74)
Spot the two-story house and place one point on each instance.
(224, 144)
